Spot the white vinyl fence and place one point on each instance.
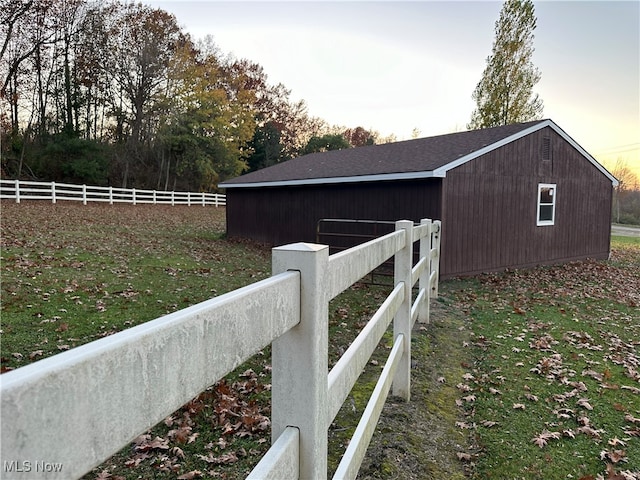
(19, 190)
(64, 415)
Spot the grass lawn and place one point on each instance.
(72, 274)
(553, 387)
(524, 374)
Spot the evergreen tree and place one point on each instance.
(504, 94)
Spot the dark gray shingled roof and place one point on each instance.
(419, 158)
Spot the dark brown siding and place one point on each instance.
(281, 215)
(489, 219)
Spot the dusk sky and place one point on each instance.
(398, 66)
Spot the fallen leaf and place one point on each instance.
(630, 418)
(583, 420)
(190, 475)
(614, 442)
(463, 425)
(488, 423)
(613, 475)
(178, 452)
(145, 445)
(542, 439)
(615, 456)
(464, 456)
(584, 403)
(587, 430)
(224, 459)
(633, 389)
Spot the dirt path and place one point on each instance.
(418, 439)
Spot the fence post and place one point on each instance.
(215, 199)
(423, 282)
(173, 198)
(84, 194)
(154, 197)
(403, 261)
(133, 196)
(17, 191)
(53, 192)
(435, 262)
(110, 195)
(300, 359)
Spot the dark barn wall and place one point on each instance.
(490, 208)
(280, 215)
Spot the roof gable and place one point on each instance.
(409, 159)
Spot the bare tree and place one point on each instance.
(21, 25)
(627, 183)
(141, 44)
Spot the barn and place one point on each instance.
(512, 196)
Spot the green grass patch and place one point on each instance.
(72, 274)
(65, 285)
(619, 240)
(554, 388)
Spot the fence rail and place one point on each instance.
(99, 396)
(19, 190)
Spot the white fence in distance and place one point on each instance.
(98, 397)
(19, 190)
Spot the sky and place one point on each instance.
(395, 67)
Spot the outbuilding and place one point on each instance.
(508, 197)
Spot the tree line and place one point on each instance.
(116, 93)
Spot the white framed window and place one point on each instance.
(546, 204)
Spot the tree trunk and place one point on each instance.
(166, 182)
(68, 127)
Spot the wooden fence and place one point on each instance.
(19, 190)
(70, 412)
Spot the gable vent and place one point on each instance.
(546, 148)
